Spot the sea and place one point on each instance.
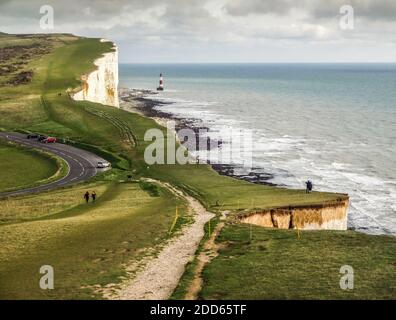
(334, 124)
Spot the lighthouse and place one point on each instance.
(161, 83)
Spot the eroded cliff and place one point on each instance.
(101, 85)
(328, 216)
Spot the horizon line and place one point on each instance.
(282, 62)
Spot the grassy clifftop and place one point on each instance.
(259, 263)
(42, 105)
(127, 221)
(88, 245)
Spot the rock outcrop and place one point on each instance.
(327, 216)
(101, 85)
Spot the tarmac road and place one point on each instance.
(82, 164)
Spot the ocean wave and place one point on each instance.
(290, 160)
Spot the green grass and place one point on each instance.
(23, 168)
(86, 244)
(275, 264)
(105, 127)
(91, 244)
(190, 270)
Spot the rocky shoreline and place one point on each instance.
(137, 100)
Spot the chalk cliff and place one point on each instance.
(101, 85)
(327, 216)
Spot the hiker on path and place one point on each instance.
(86, 196)
(93, 195)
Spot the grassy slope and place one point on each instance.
(45, 111)
(22, 168)
(86, 244)
(275, 264)
(63, 117)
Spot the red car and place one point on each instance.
(49, 140)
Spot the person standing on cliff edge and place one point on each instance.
(309, 186)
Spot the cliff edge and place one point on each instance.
(327, 216)
(101, 85)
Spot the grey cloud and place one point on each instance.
(246, 7)
(190, 15)
(70, 10)
(181, 25)
(180, 17)
(368, 9)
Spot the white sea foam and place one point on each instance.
(291, 160)
(304, 128)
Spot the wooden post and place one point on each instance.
(174, 221)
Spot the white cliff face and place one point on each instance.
(101, 85)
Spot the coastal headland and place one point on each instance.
(103, 249)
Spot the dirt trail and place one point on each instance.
(160, 276)
(210, 251)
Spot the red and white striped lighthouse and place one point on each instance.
(161, 83)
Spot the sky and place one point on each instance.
(183, 31)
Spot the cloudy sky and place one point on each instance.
(221, 30)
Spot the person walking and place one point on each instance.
(86, 196)
(93, 195)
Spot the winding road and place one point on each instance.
(82, 164)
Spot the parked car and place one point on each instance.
(32, 136)
(41, 138)
(49, 140)
(103, 164)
